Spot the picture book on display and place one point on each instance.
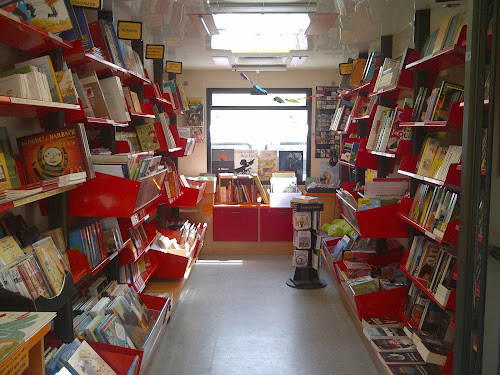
(55, 153)
(51, 16)
(85, 361)
(267, 164)
(17, 8)
(292, 161)
(222, 160)
(246, 161)
(51, 263)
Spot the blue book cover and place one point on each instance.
(116, 334)
(18, 9)
(87, 42)
(79, 330)
(74, 33)
(97, 330)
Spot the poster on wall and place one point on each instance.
(195, 118)
(292, 161)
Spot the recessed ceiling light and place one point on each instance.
(221, 60)
(298, 60)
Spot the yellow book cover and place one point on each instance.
(9, 250)
(424, 211)
(437, 162)
(51, 263)
(4, 174)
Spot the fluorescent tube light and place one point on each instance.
(204, 25)
(221, 60)
(298, 61)
(260, 68)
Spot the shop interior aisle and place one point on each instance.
(241, 318)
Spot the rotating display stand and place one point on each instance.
(306, 221)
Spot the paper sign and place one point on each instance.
(173, 67)
(16, 362)
(129, 30)
(346, 69)
(207, 209)
(92, 4)
(155, 51)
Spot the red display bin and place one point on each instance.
(111, 196)
(387, 303)
(235, 223)
(27, 37)
(191, 195)
(380, 222)
(422, 285)
(364, 159)
(276, 224)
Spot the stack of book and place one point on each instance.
(136, 273)
(447, 34)
(112, 313)
(433, 208)
(436, 159)
(130, 166)
(41, 272)
(436, 104)
(90, 241)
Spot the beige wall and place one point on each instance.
(199, 80)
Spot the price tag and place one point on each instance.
(155, 51)
(207, 209)
(173, 67)
(129, 30)
(420, 123)
(91, 4)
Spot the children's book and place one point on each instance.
(267, 163)
(17, 8)
(9, 251)
(85, 360)
(115, 334)
(55, 153)
(52, 16)
(67, 86)
(246, 161)
(23, 325)
(148, 139)
(50, 261)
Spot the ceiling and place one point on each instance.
(357, 28)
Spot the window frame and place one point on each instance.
(307, 107)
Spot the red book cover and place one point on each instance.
(52, 153)
(99, 39)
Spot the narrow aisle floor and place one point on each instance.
(242, 319)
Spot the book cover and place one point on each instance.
(267, 164)
(115, 334)
(346, 152)
(300, 258)
(414, 368)
(112, 91)
(292, 161)
(9, 251)
(148, 139)
(18, 8)
(401, 357)
(8, 346)
(4, 174)
(194, 112)
(222, 160)
(24, 325)
(246, 161)
(402, 344)
(54, 153)
(49, 260)
(66, 85)
(85, 361)
(328, 174)
(301, 220)
(94, 94)
(52, 16)
(383, 332)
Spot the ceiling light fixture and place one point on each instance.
(260, 68)
(204, 23)
(221, 60)
(298, 61)
(261, 7)
(321, 23)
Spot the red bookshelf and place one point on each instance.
(364, 88)
(453, 123)
(31, 108)
(448, 57)
(450, 234)
(364, 159)
(420, 283)
(27, 37)
(351, 127)
(191, 195)
(111, 196)
(79, 60)
(127, 255)
(452, 180)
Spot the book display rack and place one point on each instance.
(115, 211)
(306, 221)
(430, 265)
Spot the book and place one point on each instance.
(114, 97)
(401, 357)
(55, 153)
(6, 149)
(222, 160)
(51, 16)
(381, 322)
(432, 349)
(67, 87)
(246, 161)
(44, 63)
(94, 94)
(15, 85)
(24, 325)
(9, 251)
(300, 258)
(50, 261)
(85, 360)
(393, 345)
(115, 334)
(4, 174)
(17, 8)
(148, 138)
(267, 164)
(414, 368)
(292, 161)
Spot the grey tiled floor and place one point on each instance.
(242, 319)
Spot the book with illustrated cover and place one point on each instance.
(4, 174)
(52, 16)
(301, 220)
(115, 334)
(414, 368)
(384, 332)
(194, 112)
(94, 94)
(7, 347)
(67, 86)
(300, 258)
(267, 163)
(17, 8)
(50, 261)
(9, 251)
(23, 325)
(401, 357)
(55, 153)
(148, 139)
(246, 161)
(112, 91)
(85, 361)
(399, 345)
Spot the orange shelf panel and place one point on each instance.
(25, 36)
(31, 108)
